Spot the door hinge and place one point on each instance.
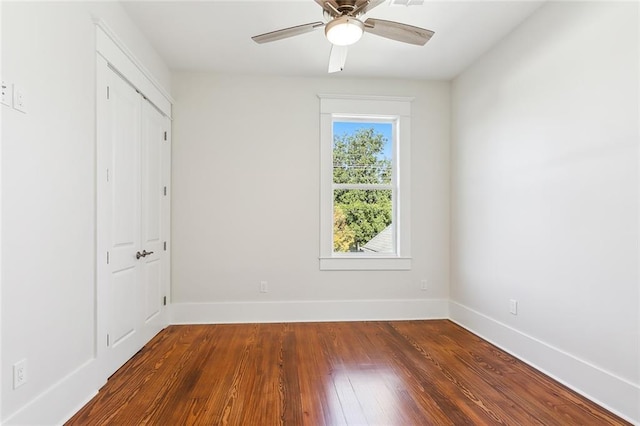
(107, 339)
(164, 301)
(165, 191)
(107, 175)
(165, 136)
(165, 246)
(107, 258)
(107, 92)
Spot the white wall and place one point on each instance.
(1, 115)
(545, 197)
(48, 202)
(246, 203)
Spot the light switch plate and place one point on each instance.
(6, 98)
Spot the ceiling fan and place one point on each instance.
(344, 28)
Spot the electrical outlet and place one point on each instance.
(423, 285)
(513, 306)
(6, 96)
(19, 373)
(19, 99)
(264, 287)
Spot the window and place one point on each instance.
(364, 192)
(363, 185)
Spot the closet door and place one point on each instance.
(130, 225)
(152, 223)
(122, 200)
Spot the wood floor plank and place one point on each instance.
(355, 373)
(289, 381)
(320, 400)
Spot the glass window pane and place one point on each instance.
(362, 152)
(362, 221)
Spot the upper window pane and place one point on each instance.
(362, 152)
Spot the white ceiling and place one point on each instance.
(216, 35)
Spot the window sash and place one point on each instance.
(369, 119)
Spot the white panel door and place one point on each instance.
(124, 113)
(153, 138)
(131, 229)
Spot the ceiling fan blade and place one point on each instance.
(337, 58)
(363, 6)
(287, 32)
(398, 31)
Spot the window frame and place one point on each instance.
(367, 108)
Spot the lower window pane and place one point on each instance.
(362, 221)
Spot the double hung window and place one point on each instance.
(364, 183)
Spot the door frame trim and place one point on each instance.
(124, 62)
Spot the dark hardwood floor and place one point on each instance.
(347, 373)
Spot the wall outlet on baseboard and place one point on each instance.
(424, 285)
(513, 306)
(19, 373)
(264, 287)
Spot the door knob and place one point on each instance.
(143, 254)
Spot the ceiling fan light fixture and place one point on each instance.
(344, 30)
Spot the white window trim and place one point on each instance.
(398, 108)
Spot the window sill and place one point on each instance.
(365, 263)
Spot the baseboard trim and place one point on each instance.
(62, 400)
(308, 311)
(614, 393)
